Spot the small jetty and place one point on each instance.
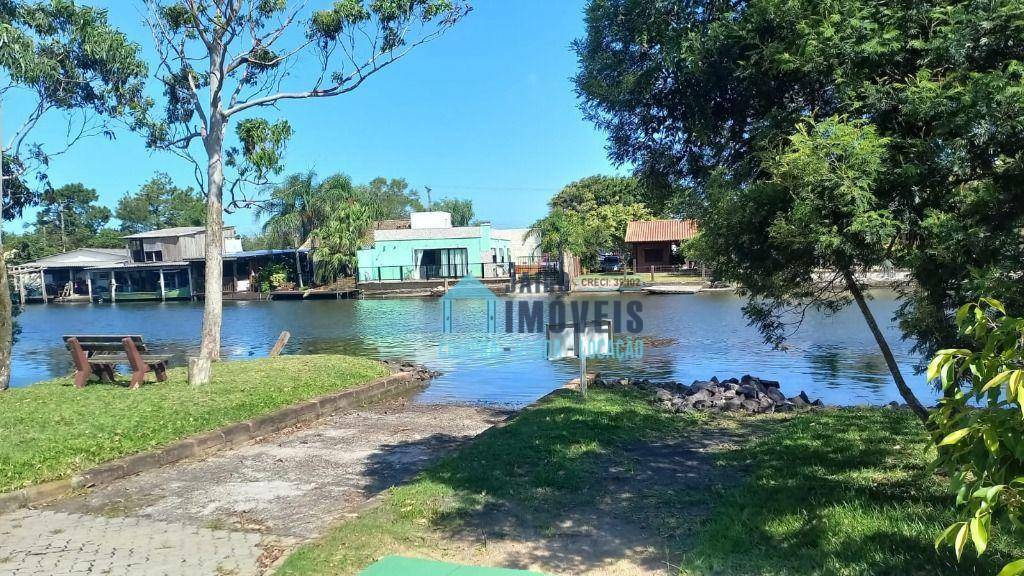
(672, 289)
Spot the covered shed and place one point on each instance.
(653, 242)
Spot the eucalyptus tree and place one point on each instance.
(59, 60)
(223, 61)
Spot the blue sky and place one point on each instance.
(486, 112)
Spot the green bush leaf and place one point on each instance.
(979, 533)
(955, 437)
(961, 540)
(997, 380)
(1014, 568)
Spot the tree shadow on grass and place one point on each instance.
(572, 487)
(836, 492)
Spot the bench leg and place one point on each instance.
(82, 377)
(160, 369)
(138, 377)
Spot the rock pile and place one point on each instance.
(420, 372)
(747, 394)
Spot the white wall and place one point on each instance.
(419, 220)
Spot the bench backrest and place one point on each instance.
(105, 342)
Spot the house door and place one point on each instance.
(443, 263)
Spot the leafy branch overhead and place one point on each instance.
(65, 59)
(264, 52)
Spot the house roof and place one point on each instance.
(660, 230)
(255, 253)
(173, 232)
(82, 257)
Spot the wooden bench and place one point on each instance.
(99, 353)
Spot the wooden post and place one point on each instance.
(21, 288)
(113, 288)
(234, 275)
(42, 284)
(279, 345)
(163, 292)
(652, 273)
(191, 291)
(88, 284)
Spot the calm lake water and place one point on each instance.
(694, 336)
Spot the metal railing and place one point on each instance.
(434, 272)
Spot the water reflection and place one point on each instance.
(687, 337)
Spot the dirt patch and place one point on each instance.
(637, 520)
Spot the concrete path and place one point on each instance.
(237, 512)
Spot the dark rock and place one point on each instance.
(771, 384)
(776, 395)
(799, 402)
(730, 381)
(751, 406)
(818, 403)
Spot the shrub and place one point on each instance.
(979, 425)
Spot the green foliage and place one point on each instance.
(589, 216)
(65, 58)
(979, 425)
(460, 209)
(703, 94)
(389, 199)
(272, 276)
(338, 240)
(69, 215)
(262, 148)
(299, 205)
(813, 209)
(160, 204)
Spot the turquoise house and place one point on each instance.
(430, 248)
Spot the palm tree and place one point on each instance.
(300, 205)
(338, 239)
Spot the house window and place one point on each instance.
(154, 255)
(494, 254)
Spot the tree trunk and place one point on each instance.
(212, 307)
(6, 305)
(890, 360)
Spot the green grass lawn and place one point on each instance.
(837, 492)
(827, 492)
(546, 458)
(52, 430)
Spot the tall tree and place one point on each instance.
(62, 59)
(389, 199)
(223, 60)
(68, 214)
(159, 203)
(460, 209)
(704, 94)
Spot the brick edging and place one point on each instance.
(208, 442)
